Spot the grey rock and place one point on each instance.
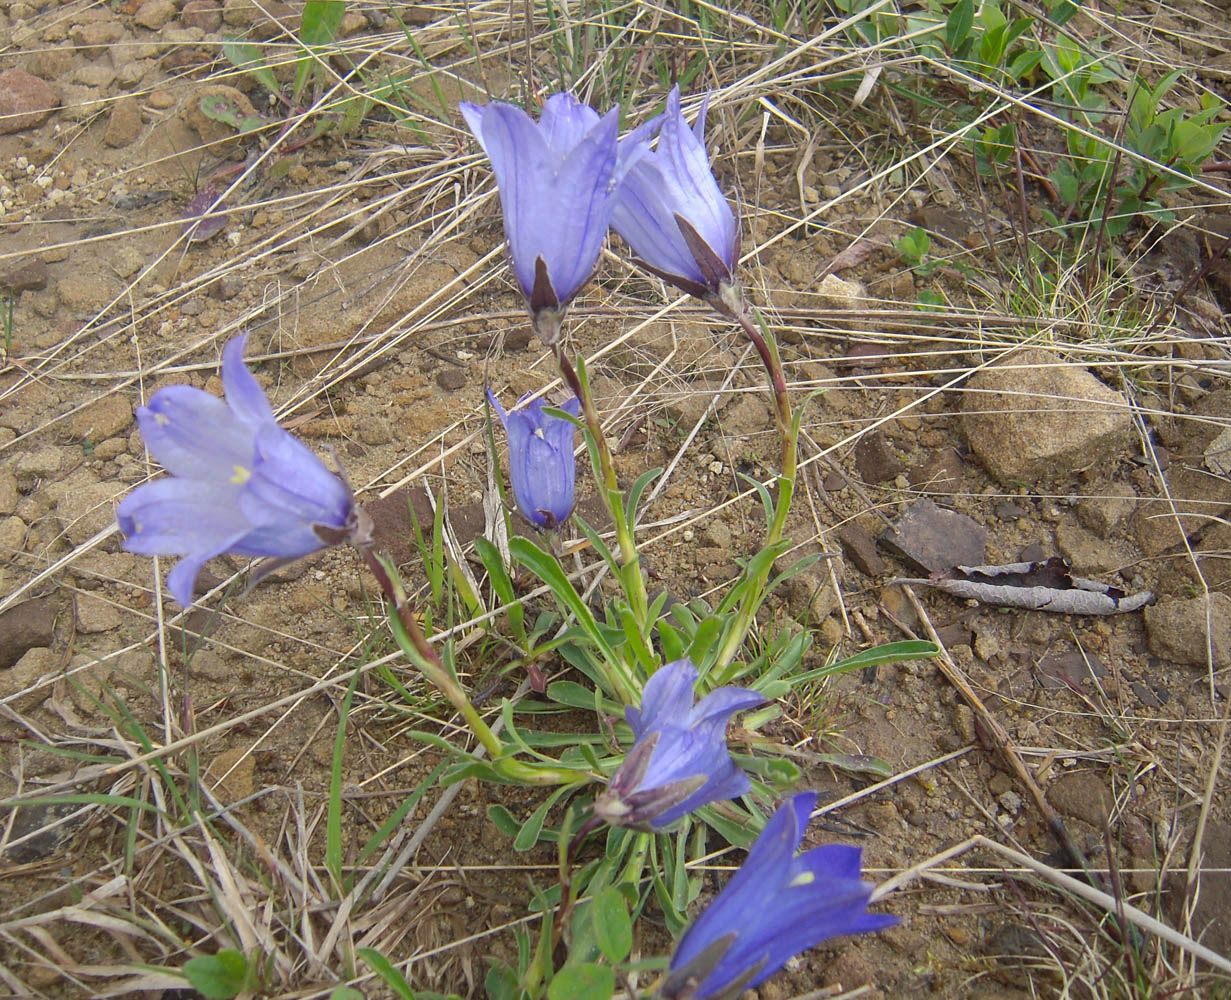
(1178, 630)
(1082, 795)
(1034, 420)
(124, 124)
(932, 539)
(1087, 553)
(25, 101)
(24, 626)
(153, 14)
(1103, 511)
(27, 275)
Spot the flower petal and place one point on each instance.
(245, 396)
(694, 190)
(196, 519)
(174, 516)
(580, 194)
(195, 435)
(722, 703)
(522, 164)
(288, 477)
(565, 122)
(667, 697)
(646, 222)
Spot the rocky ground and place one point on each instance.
(367, 269)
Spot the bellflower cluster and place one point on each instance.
(563, 180)
(679, 760)
(556, 180)
(239, 483)
(775, 906)
(542, 467)
(669, 210)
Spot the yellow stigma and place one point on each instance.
(803, 878)
(241, 475)
(161, 419)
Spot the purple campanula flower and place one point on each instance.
(556, 180)
(541, 462)
(679, 760)
(775, 906)
(239, 483)
(669, 210)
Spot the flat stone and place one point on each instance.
(1103, 511)
(25, 101)
(875, 459)
(24, 626)
(12, 535)
(40, 462)
(860, 549)
(97, 34)
(1088, 554)
(232, 774)
(941, 473)
(96, 615)
(933, 539)
(36, 664)
(87, 290)
(1034, 420)
(1177, 630)
(124, 124)
(8, 491)
(153, 14)
(85, 510)
(28, 275)
(203, 14)
(451, 379)
(110, 416)
(1082, 795)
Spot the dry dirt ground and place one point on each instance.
(368, 272)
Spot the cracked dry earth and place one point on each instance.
(374, 326)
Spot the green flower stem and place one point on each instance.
(630, 561)
(410, 637)
(730, 303)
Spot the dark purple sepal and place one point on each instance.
(682, 983)
(622, 805)
(713, 268)
(543, 294)
(688, 287)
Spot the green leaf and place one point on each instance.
(247, 57)
(529, 833)
(671, 641)
(961, 20)
(503, 820)
(321, 21)
(345, 993)
(385, 969)
(220, 976)
(333, 817)
(613, 928)
(582, 982)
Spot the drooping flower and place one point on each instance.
(775, 906)
(669, 210)
(541, 462)
(239, 483)
(679, 760)
(555, 180)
